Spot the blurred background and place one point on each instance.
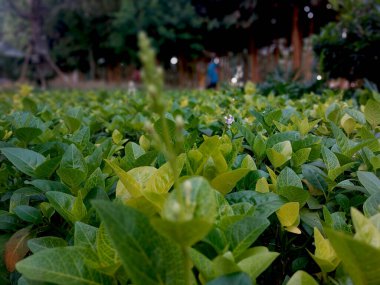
(90, 43)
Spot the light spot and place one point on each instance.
(174, 60)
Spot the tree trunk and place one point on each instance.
(254, 60)
(182, 70)
(296, 40)
(38, 46)
(91, 60)
(39, 42)
(25, 65)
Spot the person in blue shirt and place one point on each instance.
(212, 74)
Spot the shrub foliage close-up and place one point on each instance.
(188, 187)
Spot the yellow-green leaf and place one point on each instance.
(288, 214)
(262, 185)
(225, 182)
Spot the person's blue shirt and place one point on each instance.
(212, 74)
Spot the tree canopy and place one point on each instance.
(82, 35)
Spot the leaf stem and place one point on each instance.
(187, 265)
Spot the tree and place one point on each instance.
(350, 48)
(32, 14)
(79, 33)
(259, 22)
(172, 24)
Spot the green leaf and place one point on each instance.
(359, 146)
(73, 167)
(288, 178)
(81, 137)
(47, 210)
(158, 126)
(62, 266)
(325, 255)
(279, 138)
(259, 146)
(365, 230)
(357, 115)
(341, 139)
(225, 264)
(242, 234)
(274, 115)
(108, 257)
(370, 181)
(116, 136)
(225, 182)
(8, 221)
(262, 185)
(95, 180)
(300, 156)
(294, 194)
(311, 218)
(372, 112)
(333, 112)
(280, 153)
(315, 176)
(47, 168)
(85, 235)
(38, 244)
(128, 181)
(141, 246)
(132, 152)
(27, 134)
(141, 175)
(301, 278)
(289, 217)
(289, 185)
(247, 134)
(334, 173)
(360, 260)
(69, 207)
(217, 239)
(163, 179)
(146, 159)
(17, 199)
(330, 159)
(189, 212)
(372, 205)
(248, 163)
(203, 264)
(265, 203)
(238, 278)
(47, 185)
(28, 214)
(72, 123)
(259, 259)
(336, 220)
(24, 160)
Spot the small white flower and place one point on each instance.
(229, 120)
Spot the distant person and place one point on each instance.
(212, 74)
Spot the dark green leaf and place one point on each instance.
(140, 246)
(24, 160)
